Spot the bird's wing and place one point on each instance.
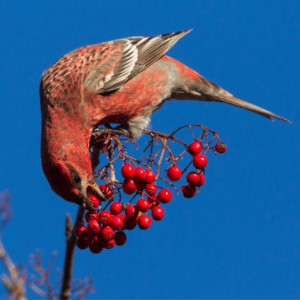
(125, 58)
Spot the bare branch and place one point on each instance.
(13, 282)
(69, 227)
(69, 259)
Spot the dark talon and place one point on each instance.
(100, 131)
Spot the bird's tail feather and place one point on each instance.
(246, 105)
(211, 92)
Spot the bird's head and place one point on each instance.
(71, 182)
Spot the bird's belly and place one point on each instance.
(140, 96)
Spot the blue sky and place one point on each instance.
(238, 238)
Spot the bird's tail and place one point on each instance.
(209, 91)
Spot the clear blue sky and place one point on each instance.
(239, 238)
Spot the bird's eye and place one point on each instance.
(77, 179)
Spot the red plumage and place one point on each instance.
(119, 82)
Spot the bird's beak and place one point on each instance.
(84, 201)
(96, 191)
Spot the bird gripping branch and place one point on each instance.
(118, 82)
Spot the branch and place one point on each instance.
(35, 283)
(14, 282)
(70, 251)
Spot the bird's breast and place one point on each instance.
(141, 95)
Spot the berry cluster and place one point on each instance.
(194, 179)
(106, 227)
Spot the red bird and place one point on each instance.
(121, 82)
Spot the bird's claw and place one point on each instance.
(100, 131)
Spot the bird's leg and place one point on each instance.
(96, 147)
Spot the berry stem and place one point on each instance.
(112, 146)
(187, 167)
(165, 136)
(133, 197)
(170, 184)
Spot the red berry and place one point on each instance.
(131, 211)
(140, 185)
(153, 201)
(150, 176)
(122, 218)
(195, 148)
(105, 217)
(142, 205)
(200, 161)
(140, 174)
(96, 248)
(94, 200)
(120, 238)
(157, 213)
(115, 208)
(220, 147)
(81, 232)
(93, 227)
(106, 190)
(130, 223)
(129, 186)
(106, 233)
(193, 178)
(201, 181)
(188, 191)
(164, 196)
(116, 223)
(174, 173)
(91, 215)
(151, 189)
(82, 244)
(144, 222)
(108, 244)
(93, 239)
(128, 171)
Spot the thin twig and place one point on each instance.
(14, 283)
(69, 258)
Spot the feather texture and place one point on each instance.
(126, 58)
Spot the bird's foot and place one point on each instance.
(95, 147)
(118, 131)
